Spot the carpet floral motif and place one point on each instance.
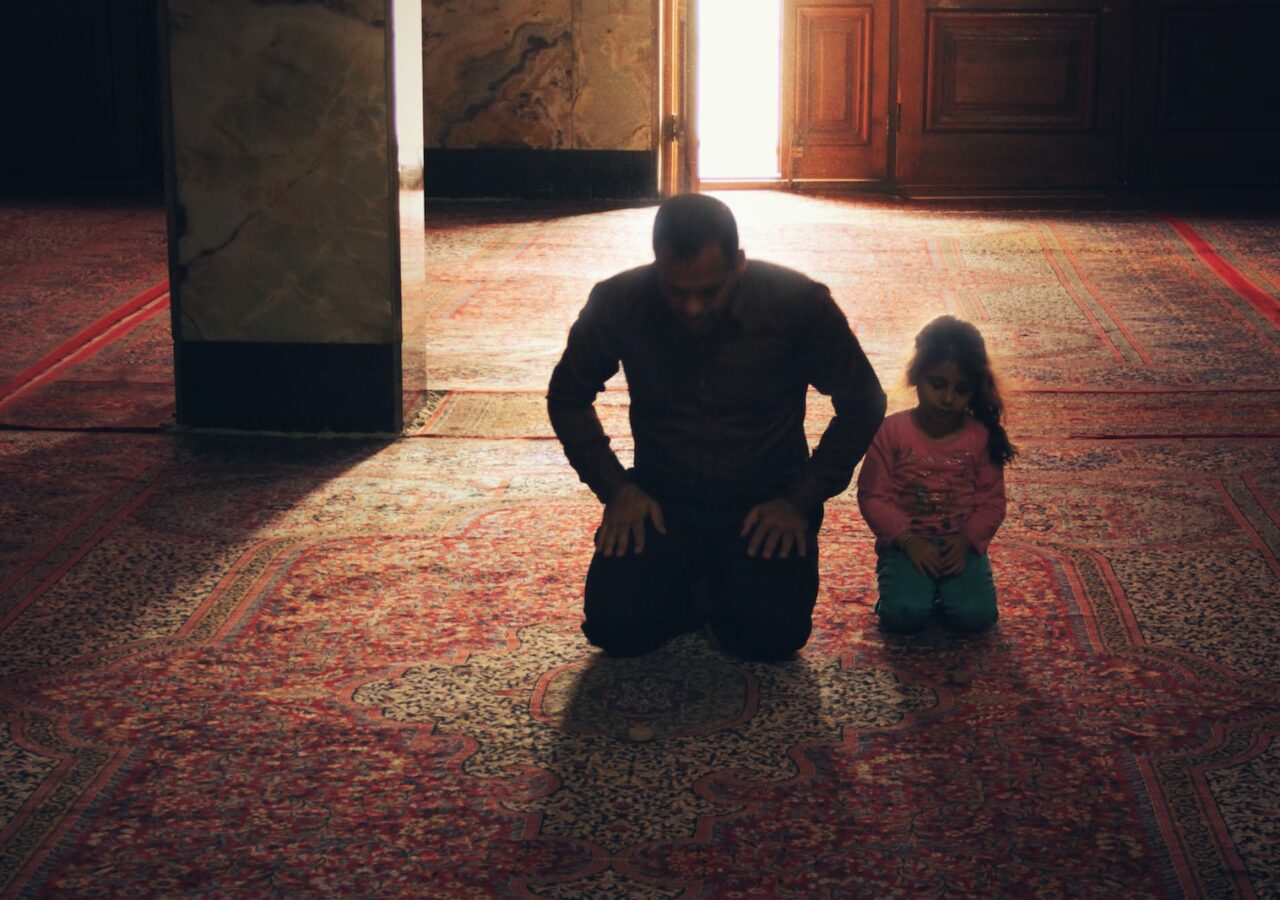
(249, 667)
(571, 715)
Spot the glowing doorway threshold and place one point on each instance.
(739, 64)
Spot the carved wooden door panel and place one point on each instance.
(1009, 93)
(835, 90)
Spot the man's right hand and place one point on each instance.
(624, 520)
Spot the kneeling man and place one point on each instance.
(718, 519)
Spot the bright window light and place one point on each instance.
(739, 62)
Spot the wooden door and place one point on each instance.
(1009, 94)
(835, 91)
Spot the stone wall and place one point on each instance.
(539, 74)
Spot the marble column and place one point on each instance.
(283, 210)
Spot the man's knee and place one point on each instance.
(621, 588)
(618, 639)
(766, 610)
(768, 625)
(631, 602)
(762, 641)
(617, 619)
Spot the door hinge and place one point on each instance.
(672, 128)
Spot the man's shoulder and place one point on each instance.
(781, 288)
(628, 282)
(777, 276)
(619, 298)
(779, 297)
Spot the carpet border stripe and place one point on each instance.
(1261, 300)
(80, 346)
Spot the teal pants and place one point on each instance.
(966, 602)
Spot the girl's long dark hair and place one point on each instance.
(948, 338)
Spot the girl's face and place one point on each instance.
(943, 394)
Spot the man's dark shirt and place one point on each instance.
(718, 419)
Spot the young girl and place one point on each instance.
(932, 486)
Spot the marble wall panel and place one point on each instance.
(498, 73)
(283, 209)
(615, 74)
(541, 74)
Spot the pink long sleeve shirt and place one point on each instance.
(912, 482)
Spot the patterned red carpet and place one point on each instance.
(84, 315)
(252, 667)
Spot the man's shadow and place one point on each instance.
(658, 749)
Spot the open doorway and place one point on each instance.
(738, 74)
(757, 93)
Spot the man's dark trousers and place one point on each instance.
(759, 608)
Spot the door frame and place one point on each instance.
(675, 105)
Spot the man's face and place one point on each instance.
(697, 290)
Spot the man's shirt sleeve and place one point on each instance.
(590, 358)
(837, 366)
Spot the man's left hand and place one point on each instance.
(775, 526)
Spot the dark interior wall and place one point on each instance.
(1205, 107)
(540, 174)
(81, 92)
